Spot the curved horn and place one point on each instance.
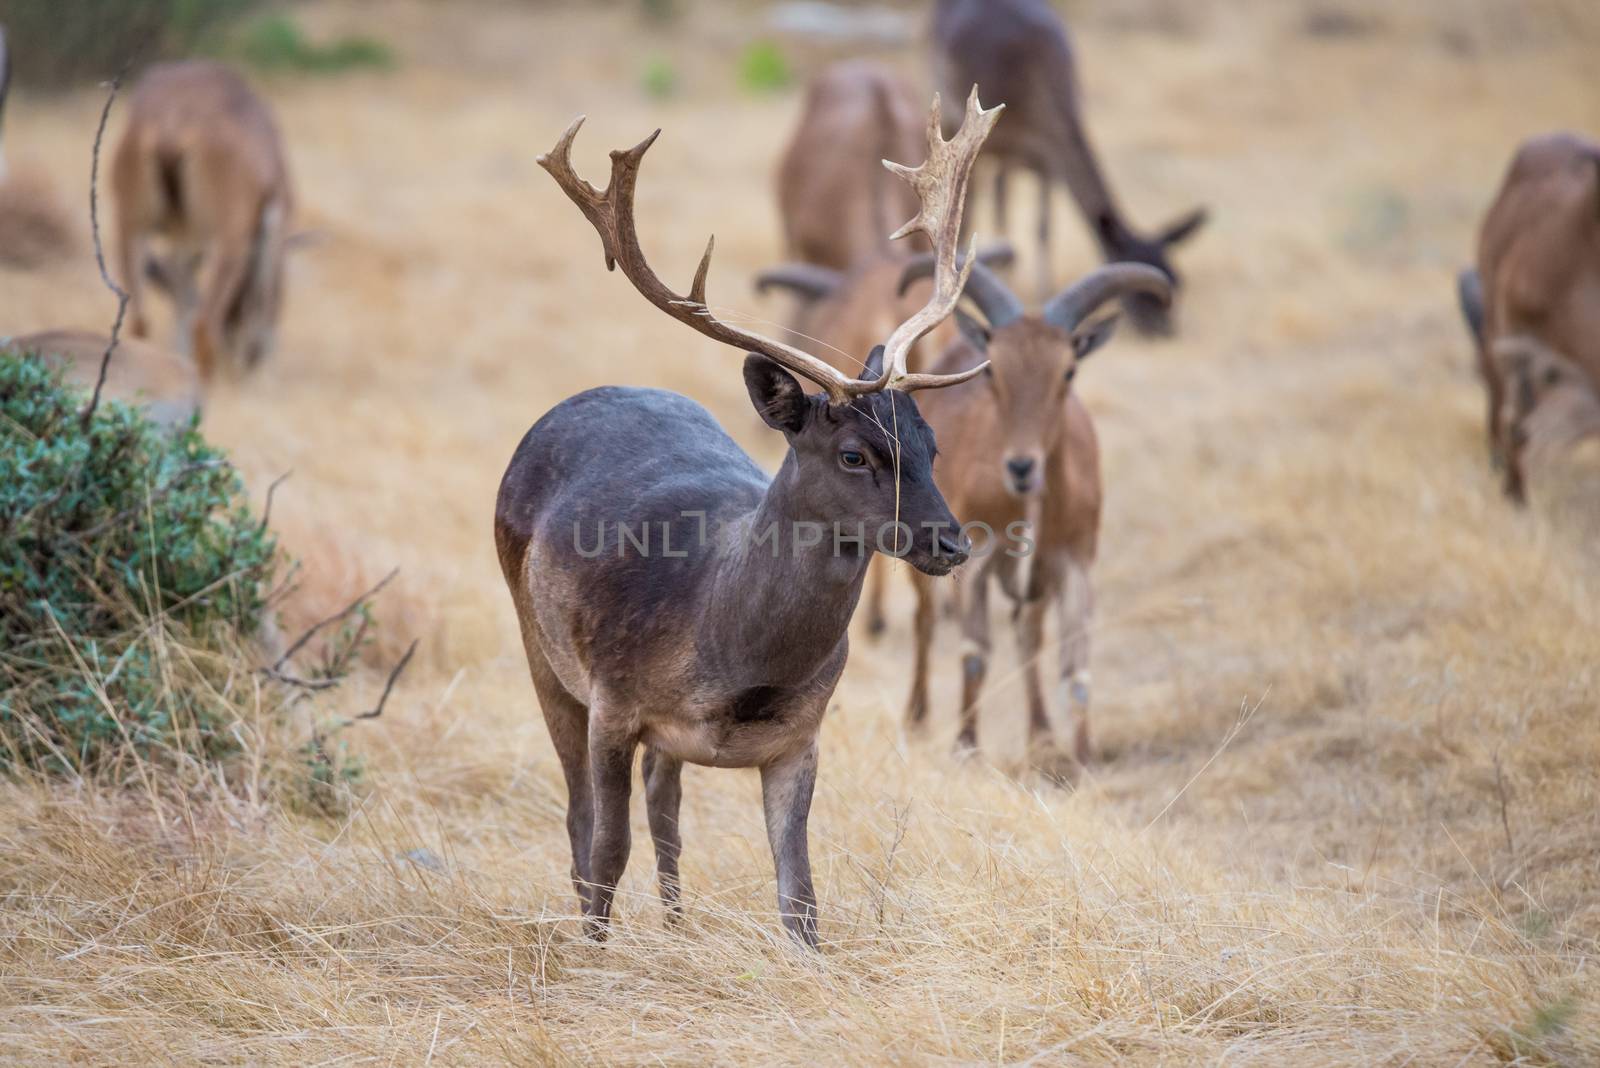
(992, 296)
(806, 279)
(1078, 301)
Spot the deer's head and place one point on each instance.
(1151, 313)
(1033, 359)
(866, 466)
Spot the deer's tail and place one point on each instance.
(1469, 291)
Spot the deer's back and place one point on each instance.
(200, 115)
(599, 467)
(1539, 252)
(838, 202)
(843, 327)
(1017, 53)
(161, 382)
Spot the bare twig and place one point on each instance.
(311, 632)
(266, 509)
(99, 250)
(1505, 803)
(294, 680)
(393, 675)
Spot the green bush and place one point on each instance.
(113, 538)
(660, 78)
(276, 43)
(63, 43)
(763, 68)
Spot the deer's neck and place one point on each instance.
(1080, 167)
(784, 591)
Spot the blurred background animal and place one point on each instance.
(35, 227)
(839, 206)
(162, 382)
(1023, 450)
(1019, 52)
(1532, 304)
(201, 187)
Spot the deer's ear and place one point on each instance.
(1088, 338)
(873, 370)
(975, 333)
(778, 398)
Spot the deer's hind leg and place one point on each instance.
(612, 741)
(567, 719)
(663, 791)
(1043, 236)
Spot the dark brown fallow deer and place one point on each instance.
(1018, 50)
(673, 597)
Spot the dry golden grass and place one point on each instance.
(1347, 697)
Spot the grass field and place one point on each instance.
(1348, 699)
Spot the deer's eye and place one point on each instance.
(852, 458)
(1072, 372)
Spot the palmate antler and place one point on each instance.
(941, 183)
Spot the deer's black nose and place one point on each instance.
(954, 546)
(1020, 467)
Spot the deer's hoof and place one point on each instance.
(1055, 765)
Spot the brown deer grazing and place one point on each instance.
(1019, 460)
(719, 636)
(1019, 52)
(1533, 303)
(838, 207)
(837, 204)
(201, 169)
(164, 384)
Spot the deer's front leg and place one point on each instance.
(786, 786)
(611, 779)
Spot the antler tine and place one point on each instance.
(941, 185)
(610, 212)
